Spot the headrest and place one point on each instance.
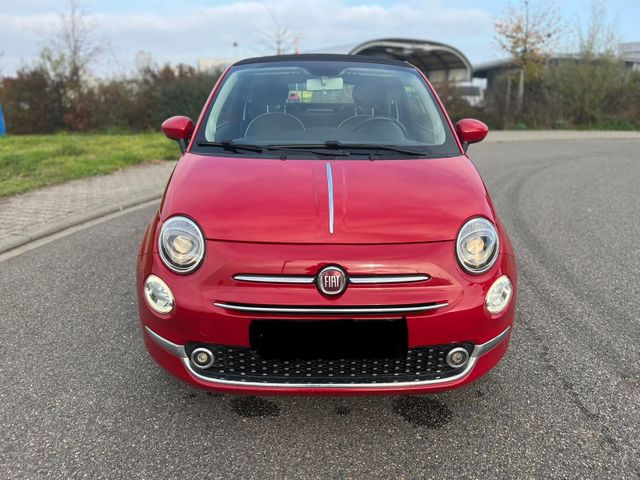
(270, 93)
(369, 95)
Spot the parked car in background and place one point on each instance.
(472, 94)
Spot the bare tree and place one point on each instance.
(594, 87)
(144, 61)
(599, 37)
(73, 45)
(527, 32)
(277, 38)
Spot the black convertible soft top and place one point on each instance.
(323, 57)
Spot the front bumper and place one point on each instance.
(444, 310)
(480, 353)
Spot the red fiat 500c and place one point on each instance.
(325, 233)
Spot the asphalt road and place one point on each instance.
(79, 397)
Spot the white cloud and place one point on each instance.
(194, 32)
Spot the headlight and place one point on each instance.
(477, 245)
(158, 295)
(181, 244)
(499, 295)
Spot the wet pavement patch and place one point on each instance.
(422, 412)
(341, 409)
(250, 407)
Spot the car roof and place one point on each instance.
(323, 57)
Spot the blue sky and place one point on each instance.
(186, 30)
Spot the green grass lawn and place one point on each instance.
(32, 161)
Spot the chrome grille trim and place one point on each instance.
(330, 310)
(388, 279)
(356, 280)
(274, 279)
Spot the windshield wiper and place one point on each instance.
(231, 145)
(330, 145)
(364, 146)
(307, 149)
(335, 144)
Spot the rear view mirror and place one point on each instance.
(471, 131)
(178, 128)
(325, 83)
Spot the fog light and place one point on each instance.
(158, 295)
(499, 295)
(202, 358)
(457, 357)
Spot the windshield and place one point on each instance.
(312, 103)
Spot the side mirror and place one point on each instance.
(179, 129)
(471, 131)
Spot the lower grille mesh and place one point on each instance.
(244, 365)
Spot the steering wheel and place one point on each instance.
(381, 119)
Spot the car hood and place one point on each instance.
(287, 201)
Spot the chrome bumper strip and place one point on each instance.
(179, 351)
(330, 310)
(468, 368)
(486, 347)
(356, 280)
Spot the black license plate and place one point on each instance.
(331, 339)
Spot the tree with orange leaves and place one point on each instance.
(528, 33)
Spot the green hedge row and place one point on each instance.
(35, 101)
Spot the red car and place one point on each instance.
(341, 245)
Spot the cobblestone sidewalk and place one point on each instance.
(33, 215)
